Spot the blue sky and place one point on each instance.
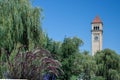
(73, 17)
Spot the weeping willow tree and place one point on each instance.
(108, 64)
(19, 24)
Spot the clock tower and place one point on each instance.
(96, 35)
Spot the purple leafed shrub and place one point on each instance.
(33, 65)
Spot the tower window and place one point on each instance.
(96, 27)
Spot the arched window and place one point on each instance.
(97, 27)
(94, 27)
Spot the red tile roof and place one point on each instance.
(96, 20)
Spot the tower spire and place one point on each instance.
(96, 20)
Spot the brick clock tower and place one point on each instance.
(96, 35)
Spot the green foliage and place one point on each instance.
(108, 64)
(73, 77)
(19, 23)
(69, 48)
(85, 66)
(98, 78)
(54, 47)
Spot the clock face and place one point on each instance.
(96, 38)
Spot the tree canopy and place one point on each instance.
(19, 23)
